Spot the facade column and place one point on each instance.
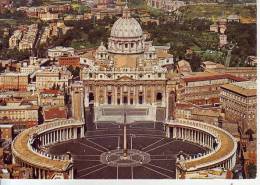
(105, 95)
(134, 96)
(121, 95)
(128, 95)
(115, 95)
(144, 90)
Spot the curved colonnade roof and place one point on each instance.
(227, 146)
(21, 150)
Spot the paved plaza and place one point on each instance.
(104, 137)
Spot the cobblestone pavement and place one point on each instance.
(147, 137)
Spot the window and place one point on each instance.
(132, 45)
(126, 45)
(90, 75)
(159, 75)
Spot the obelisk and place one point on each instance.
(125, 139)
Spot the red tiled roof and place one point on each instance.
(183, 106)
(235, 78)
(51, 91)
(212, 77)
(55, 113)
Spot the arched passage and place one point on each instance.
(91, 98)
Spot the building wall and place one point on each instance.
(201, 92)
(22, 117)
(69, 61)
(13, 82)
(239, 108)
(6, 132)
(119, 93)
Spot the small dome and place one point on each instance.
(151, 49)
(102, 47)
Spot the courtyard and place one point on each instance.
(144, 137)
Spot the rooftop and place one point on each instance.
(247, 88)
(203, 76)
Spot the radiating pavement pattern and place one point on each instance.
(104, 137)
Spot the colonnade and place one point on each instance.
(192, 135)
(60, 135)
(43, 164)
(207, 136)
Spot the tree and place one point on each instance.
(251, 169)
(195, 62)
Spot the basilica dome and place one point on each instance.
(126, 35)
(126, 27)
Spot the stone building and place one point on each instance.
(73, 61)
(129, 72)
(238, 101)
(19, 114)
(50, 97)
(59, 51)
(52, 78)
(6, 132)
(203, 88)
(14, 81)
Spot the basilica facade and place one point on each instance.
(130, 72)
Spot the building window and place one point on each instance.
(132, 45)
(126, 45)
(159, 75)
(90, 75)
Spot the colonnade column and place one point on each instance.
(82, 131)
(167, 131)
